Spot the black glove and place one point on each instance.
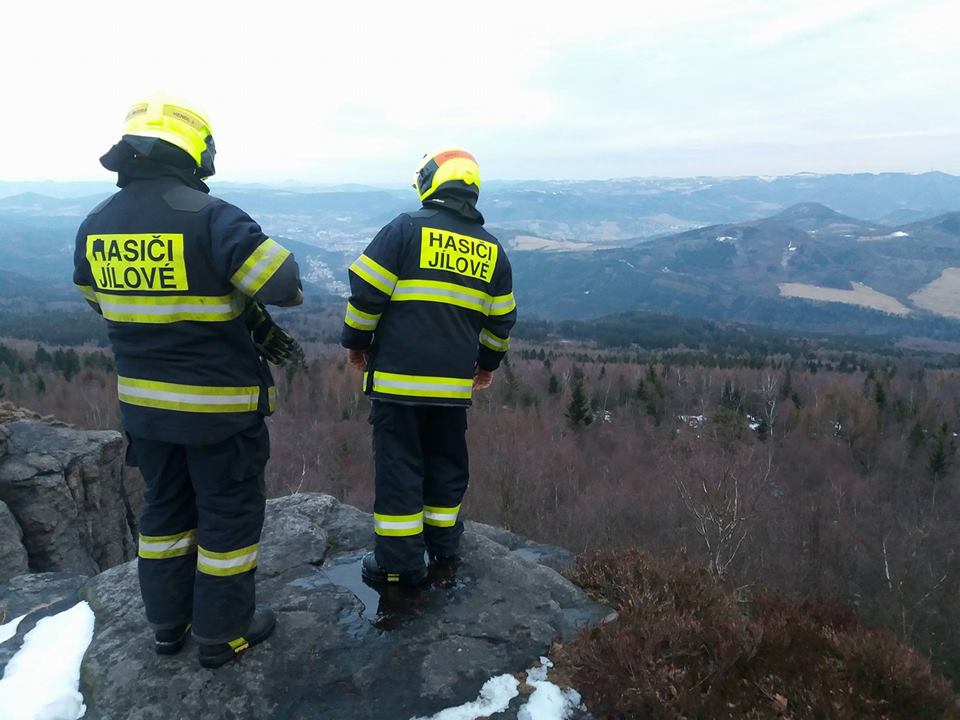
(273, 342)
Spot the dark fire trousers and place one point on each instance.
(422, 470)
(200, 532)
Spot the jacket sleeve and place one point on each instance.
(256, 265)
(82, 275)
(373, 277)
(495, 336)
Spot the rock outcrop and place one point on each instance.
(13, 555)
(68, 495)
(341, 650)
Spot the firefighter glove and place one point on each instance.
(273, 342)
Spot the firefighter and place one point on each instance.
(428, 321)
(181, 279)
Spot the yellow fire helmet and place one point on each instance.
(445, 166)
(177, 124)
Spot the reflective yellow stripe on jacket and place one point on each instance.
(87, 292)
(360, 320)
(188, 398)
(375, 274)
(259, 267)
(158, 309)
(494, 342)
(422, 386)
(453, 294)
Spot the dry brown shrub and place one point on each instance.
(683, 647)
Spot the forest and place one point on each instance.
(829, 476)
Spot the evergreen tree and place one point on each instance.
(296, 363)
(553, 387)
(578, 411)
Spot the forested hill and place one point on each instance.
(881, 257)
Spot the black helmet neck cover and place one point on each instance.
(457, 197)
(140, 158)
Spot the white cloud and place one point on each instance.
(356, 92)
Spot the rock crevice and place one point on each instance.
(67, 492)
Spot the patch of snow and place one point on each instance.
(42, 680)
(725, 238)
(495, 696)
(753, 423)
(693, 421)
(664, 269)
(8, 630)
(586, 292)
(548, 701)
(899, 233)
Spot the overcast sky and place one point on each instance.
(357, 91)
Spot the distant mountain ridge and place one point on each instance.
(738, 252)
(805, 268)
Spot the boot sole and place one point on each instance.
(170, 648)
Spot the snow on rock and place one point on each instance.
(42, 680)
(9, 629)
(548, 701)
(495, 696)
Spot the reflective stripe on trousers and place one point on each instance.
(161, 547)
(227, 563)
(398, 525)
(440, 516)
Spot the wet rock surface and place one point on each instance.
(341, 649)
(66, 490)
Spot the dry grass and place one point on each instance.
(942, 296)
(860, 294)
(684, 648)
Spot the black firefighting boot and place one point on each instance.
(213, 656)
(437, 558)
(171, 640)
(373, 574)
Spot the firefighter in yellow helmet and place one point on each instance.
(428, 321)
(181, 278)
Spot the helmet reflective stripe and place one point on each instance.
(176, 124)
(443, 166)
